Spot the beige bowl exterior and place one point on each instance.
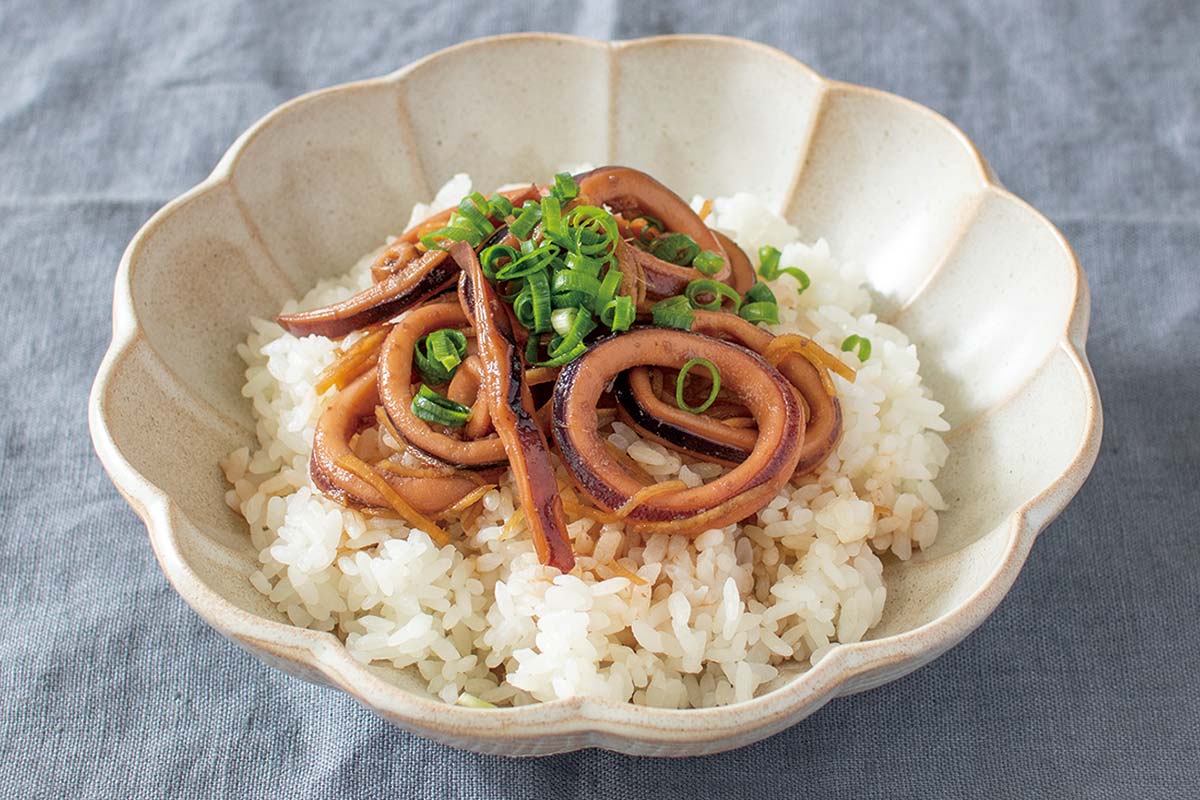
(984, 285)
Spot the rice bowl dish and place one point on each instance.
(661, 619)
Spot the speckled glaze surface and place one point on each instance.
(985, 286)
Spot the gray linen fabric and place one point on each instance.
(1084, 682)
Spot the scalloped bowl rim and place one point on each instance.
(609, 721)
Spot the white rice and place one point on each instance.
(710, 620)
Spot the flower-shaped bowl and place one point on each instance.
(983, 284)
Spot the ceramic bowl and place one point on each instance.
(984, 285)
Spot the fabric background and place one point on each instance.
(1083, 683)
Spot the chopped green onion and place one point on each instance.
(760, 293)
(712, 394)
(581, 325)
(708, 262)
(592, 244)
(760, 312)
(539, 291)
(499, 206)
(434, 408)
(651, 224)
(585, 264)
(702, 286)
(861, 342)
(674, 248)
(490, 258)
(769, 269)
(527, 220)
(477, 225)
(474, 209)
(448, 347)
(568, 346)
(553, 225)
(556, 264)
(434, 240)
(564, 280)
(522, 306)
(438, 354)
(562, 320)
(594, 229)
(531, 306)
(801, 277)
(618, 314)
(673, 312)
(563, 358)
(768, 261)
(565, 187)
(569, 280)
(569, 300)
(608, 290)
(536, 260)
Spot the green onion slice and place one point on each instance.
(438, 410)
(565, 187)
(474, 209)
(534, 261)
(594, 230)
(581, 325)
(447, 346)
(499, 206)
(760, 293)
(539, 291)
(532, 304)
(491, 257)
(712, 394)
(768, 261)
(568, 346)
(674, 248)
(673, 312)
(438, 354)
(584, 264)
(562, 319)
(769, 269)
(522, 306)
(608, 290)
(563, 358)
(436, 240)
(553, 225)
(569, 300)
(527, 220)
(708, 263)
(618, 314)
(591, 242)
(760, 312)
(862, 343)
(569, 280)
(801, 277)
(707, 286)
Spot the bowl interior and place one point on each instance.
(979, 282)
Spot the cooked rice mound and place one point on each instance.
(657, 620)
